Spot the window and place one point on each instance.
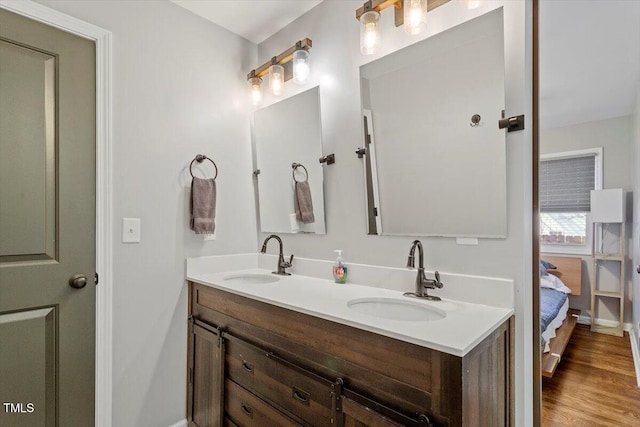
(566, 181)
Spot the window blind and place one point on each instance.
(565, 184)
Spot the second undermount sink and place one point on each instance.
(251, 279)
(396, 309)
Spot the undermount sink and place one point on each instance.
(396, 309)
(251, 279)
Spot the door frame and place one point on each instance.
(104, 235)
(535, 226)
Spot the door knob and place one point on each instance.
(78, 281)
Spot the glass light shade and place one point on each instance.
(255, 88)
(300, 66)
(415, 16)
(369, 32)
(276, 79)
(471, 4)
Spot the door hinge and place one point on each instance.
(512, 124)
(96, 279)
(375, 211)
(361, 152)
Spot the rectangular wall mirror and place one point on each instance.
(288, 141)
(435, 161)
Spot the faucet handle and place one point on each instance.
(287, 264)
(438, 283)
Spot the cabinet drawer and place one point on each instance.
(287, 386)
(245, 409)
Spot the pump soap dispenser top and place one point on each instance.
(339, 269)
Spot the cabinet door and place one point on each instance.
(206, 376)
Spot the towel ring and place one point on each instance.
(295, 166)
(201, 158)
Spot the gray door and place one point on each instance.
(47, 225)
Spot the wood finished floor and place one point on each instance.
(595, 384)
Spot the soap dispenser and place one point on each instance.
(339, 269)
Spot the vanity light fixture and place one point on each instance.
(300, 65)
(255, 88)
(276, 77)
(415, 16)
(292, 63)
(410, 13)
(471, 4)
(369, 32)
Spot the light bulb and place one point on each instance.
(471, 4)
(255, 88)
(369, 32)
(300, 66)
(276, 79)
(415, 16)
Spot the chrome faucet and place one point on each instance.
(422, 283)
(282, 264)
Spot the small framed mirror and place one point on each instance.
(288, 143)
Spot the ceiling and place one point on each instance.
(255, 20)
(589, 60)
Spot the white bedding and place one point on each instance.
(553, 282)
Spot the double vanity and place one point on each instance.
(275, 350)
(388, 348)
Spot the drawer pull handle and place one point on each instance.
(300, 395)
(247, 410)
(247, 366)
(424, 420)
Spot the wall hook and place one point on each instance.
(328, 159)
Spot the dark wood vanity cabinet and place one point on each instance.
(255, 364)
(205, 375)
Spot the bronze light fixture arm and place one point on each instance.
(380, 5)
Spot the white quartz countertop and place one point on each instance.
(464, 326)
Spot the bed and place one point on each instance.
(557, 320)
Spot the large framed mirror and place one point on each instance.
(288, 142)
(435, 159)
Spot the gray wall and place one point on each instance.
(178, 90)
(615, 136)
(335, 60)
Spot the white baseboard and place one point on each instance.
(636, 354)
(586, 320)
(181, 423)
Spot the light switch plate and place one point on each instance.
(130, 230)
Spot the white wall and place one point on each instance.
(615, 136)
(335, 61)
(178, 90)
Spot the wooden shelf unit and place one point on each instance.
(597, 258)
